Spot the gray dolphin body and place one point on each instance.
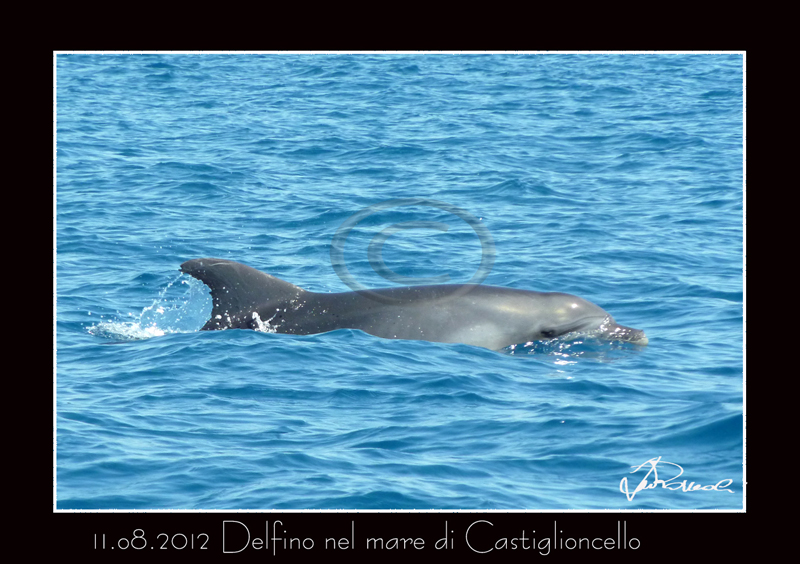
(484, 316)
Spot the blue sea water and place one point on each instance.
(617, 177)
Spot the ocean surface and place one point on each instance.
(617, 178)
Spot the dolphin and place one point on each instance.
(474, 314)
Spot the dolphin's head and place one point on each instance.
(571, 314)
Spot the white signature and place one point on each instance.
(669, 483)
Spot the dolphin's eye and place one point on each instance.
(548, 334)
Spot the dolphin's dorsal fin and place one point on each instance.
(238, 290)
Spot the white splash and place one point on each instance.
(173, 314)
(264, 326)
